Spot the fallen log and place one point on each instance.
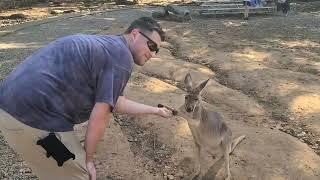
(172, 13)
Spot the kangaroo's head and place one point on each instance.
(192, 98)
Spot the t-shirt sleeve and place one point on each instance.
(110, 84)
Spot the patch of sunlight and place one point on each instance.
(183, 129)
(22, 33)
(110, 19)
(306, 104)
(287, 87)
(164, 62)
(293, 44)
(166, 30)
(205, 70)
(306, 163)
(102, 18)
(232, 24)
(299, 27)
(212, 33)
(3, 32)
(157, 86)
(300, 60)
(273, 40)
(186, 39)
(304, 43)
(255, 66)
(157, 59)
(18, 45)
(187, 33)
(251, 55)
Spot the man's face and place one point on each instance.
(144, 46)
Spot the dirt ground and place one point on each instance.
(264, 81)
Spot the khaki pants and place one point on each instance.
(23, 139)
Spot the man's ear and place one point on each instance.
(134, 33)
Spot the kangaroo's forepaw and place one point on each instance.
(228, 177)
(196, 173)
(193, 176)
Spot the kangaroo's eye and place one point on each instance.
(186, 97)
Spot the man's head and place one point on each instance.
(145, 38)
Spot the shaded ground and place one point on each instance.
(265, 81)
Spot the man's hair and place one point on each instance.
(146, 24)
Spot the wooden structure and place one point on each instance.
(225, 7)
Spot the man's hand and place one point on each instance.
(99, 119)
(92, 170)
(164, 112)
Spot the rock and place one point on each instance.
(25, 170)
(69, 11)
(301, 134)
(290, 131)
(56, 3)
(17, 16)
(308, 141)
(132, 139)
(173, 13)
(125, 2)
(158, 14)
(180, 174)
(170, 177)
(55, 12)
(292, 118)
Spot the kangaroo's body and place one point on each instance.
(208, 129)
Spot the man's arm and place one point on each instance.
(99, 119)
(127, 106)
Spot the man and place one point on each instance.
(71, 80)
(246, 4)
(284, 6)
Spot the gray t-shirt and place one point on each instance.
(57, 86)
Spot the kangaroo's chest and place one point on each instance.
(204, 140)
(209, 142)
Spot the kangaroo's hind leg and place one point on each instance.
(195, 174)
(226, 147)
(235, 142)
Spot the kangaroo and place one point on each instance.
(208, 129)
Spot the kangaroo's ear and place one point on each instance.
(188, 82)
(201, 86)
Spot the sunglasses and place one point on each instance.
(153, 47)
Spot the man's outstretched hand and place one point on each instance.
(92, 170)
(164, 112)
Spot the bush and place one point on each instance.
(9, 4)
